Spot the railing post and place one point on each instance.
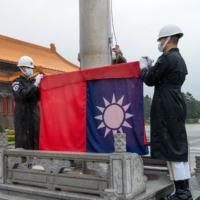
(3, 146)
(2, 165)
(110, 194)
(198, 168)
(126, 170)
(3, 140)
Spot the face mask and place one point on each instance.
(28, 72)
(113, 56)
(160, 47)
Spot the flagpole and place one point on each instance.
(95, 33)
(95, 39)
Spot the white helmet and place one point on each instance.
(169, 30)
(25, 61)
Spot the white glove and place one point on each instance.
(149, 61)
(38, 79)
(143, 63)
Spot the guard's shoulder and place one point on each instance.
(161, 58)
(16, 84)
(170, 54)
(16, 79)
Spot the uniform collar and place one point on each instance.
(174, 49)
(24, 78)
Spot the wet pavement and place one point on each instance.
(197, 145)
(193, 132)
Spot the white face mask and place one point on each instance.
(28, 72)
(113, 56)
(160, 47)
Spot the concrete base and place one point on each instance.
(9, 197)
(18, 192)
(157, 186)
(196, 194)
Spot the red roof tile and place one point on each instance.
(12, 49)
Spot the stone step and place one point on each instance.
(29, 193)
(10, 197)
(196, 194)
(35, 193)
(159, 186)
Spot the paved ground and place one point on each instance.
(193, 132)
(194, 140)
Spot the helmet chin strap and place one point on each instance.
(167, 40)
(22, 71)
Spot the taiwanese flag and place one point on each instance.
(82, 110)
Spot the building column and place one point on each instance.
(5, 105)
(13, 105)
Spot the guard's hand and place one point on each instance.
(116, 49)
(79, 57)
(38, 79)
(143, 63)
(149, 61)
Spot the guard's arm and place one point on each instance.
(121, 59)
(152, 75)
(23, 92)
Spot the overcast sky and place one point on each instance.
(137, 24)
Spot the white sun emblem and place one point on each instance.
(114, 116)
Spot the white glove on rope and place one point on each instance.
(149, 61)
(38, 79)
(143, 63)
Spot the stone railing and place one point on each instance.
(117, 175)
(3, 140)
(55, 170)
(198, 168)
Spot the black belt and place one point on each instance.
(25, 103)
(168, 86)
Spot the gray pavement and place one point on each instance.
(193, 133)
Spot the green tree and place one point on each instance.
(193, 106)
(1, 129)
(147, 107)
(198, 109)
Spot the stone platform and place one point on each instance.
(157, 186)
(58, 175)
